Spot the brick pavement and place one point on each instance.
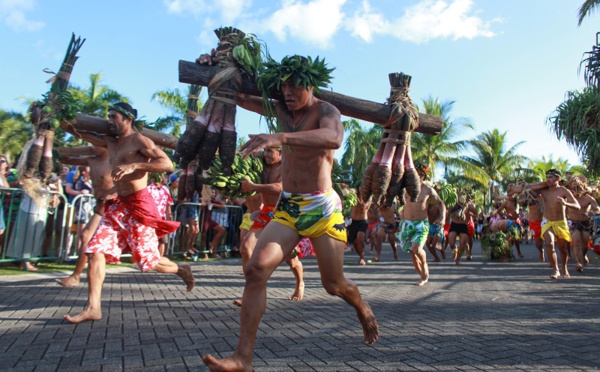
(472, 317)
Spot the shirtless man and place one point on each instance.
(535, 204)
(269, 191)
(387, 228)
(131, 220)
(308, 206)
(578, 220)
(554, 225)
(415, 228)
(436, 230)
(358, 228)
(374, 240)
(459, 218)
(104, 188)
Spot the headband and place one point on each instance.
(137, 124)
(554, 172)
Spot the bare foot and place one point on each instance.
(555, 275)
(28, 267)
(298, 293)
(395, 256)
(369, 324)
(566, 274)
(237, 303)
(362, 262)
(579, 268)
(71, 281)
(85, 316)
(185, 273)
(454, 253)
(230, 364)
(423, 282)
(586, 260)
(376, 259)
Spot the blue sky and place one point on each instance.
(507, 64)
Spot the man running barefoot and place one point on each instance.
(415, 228)
(578, 220)
(554, 225)
(357, 231)
(387, 228)
(308, 206)
(131, 220)
(436, 229)
(535, 204)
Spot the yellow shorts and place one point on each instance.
(312, 215)
(246, 222)
(560, 229)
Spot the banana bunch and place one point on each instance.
(230, 186)
(448, 194)
(349, 201)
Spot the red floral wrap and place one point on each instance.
(132, 222)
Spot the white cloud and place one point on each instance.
(314, 22)
(230, 10)
(12, 12)
(427, 20)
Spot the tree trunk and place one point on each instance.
(89, 123)
(193, 73)
(76, 151)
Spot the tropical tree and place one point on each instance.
(96, 98)
(360, 147)
(491, 163)
(15, 131)
(176, 102)
(587, 8)
(442, 149)
(540, 166)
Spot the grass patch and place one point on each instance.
(45, 267)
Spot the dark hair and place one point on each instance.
(125, 109)
(554, 172)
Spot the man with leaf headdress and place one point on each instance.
(310, 132)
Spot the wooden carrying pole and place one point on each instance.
(194, 73)
(89, 123)
(76, 151)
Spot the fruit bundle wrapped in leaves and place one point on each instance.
(214, 127)
(57, 105)
(392, 169)
(230, 186)
(350, 200)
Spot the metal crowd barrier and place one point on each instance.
(34, 232)
(48, 232)
(230, 219)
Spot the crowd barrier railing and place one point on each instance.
(230, 219)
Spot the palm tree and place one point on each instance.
(492, 163)
(15, 131)
(359, 149)
(441, 149)
(586, 9)
(540, 166)
(97, 98)
(177, 104)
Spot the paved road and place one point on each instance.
(476, 316)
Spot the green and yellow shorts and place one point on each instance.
(312, 215)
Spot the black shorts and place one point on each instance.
(355, 227)
(459, 228)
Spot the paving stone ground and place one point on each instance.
(477, 316)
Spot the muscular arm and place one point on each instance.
(442, 206)
(570, 200)
(158, 161)
(93, 138)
